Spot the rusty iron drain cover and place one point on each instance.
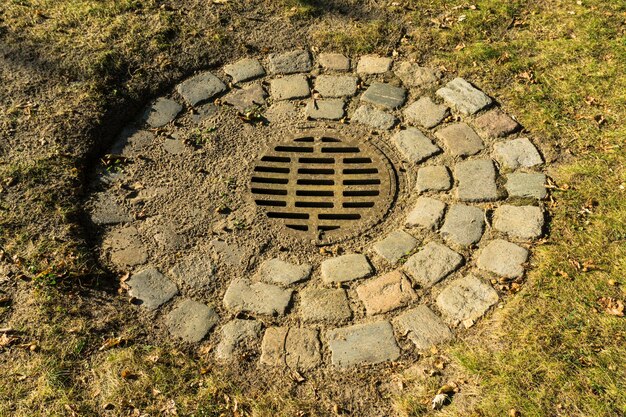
(324, 188)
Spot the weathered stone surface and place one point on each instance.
(203, 112)
(495, 124)
(173, 146)
(235, 334)
(230, 254)
(336, 85)
(465, 300)
(132, 141)
(464, 225)
(414, 145)
(396, 245)
(346, 268)
(426, 213)
(277, 271)
(191, 320)
(386, 293)
(477, 180)
(167, 237)
(161, 112)
(517, 153)
(244, 70)
(246, 97)
(503, 258)
(432, 263)
(373, 64)
(412, 75)
(258, 298)
(363, 344)
(331, 109)
(460, 139)
(422, 327)
(426, 113)
(127, 249)
(523, 222)
(200, 88)
(433, 178)
(195, 270)
(151, 287)
(282, 111)
(290, 87)
(290, 62)
(384, 95)
(106, 210)
(375, 118)
(464, 97)
(324, 305)
(530, 185)
(294, 347)
(335, 62)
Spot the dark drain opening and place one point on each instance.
(319, 202)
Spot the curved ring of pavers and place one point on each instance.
(459, 120)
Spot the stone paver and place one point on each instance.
(432, 263)
(191, 320)
(201, 87)
(324, 305)
(386, 293)
(517, 153)
(530, 185)
(464, 225)
(373, 64)
(346, 268)
(290, 62)
(335, 62)
(477, 180)
(383, 95)
(277, 271)
(106, 210)
(375, 118)
(126, 247)
(414, 146)
(236, 334)
(433, 178)
(464, 97)
(295, 347)
(422, 327)
(332, 109)
(336, 85)
(173, 146)
(151, 287)
(230, 254)
(426, 213)
(204, 112)
(246, 97)
(395, 246)
(290, 87)
(426, 113)
(412, 75)
(162, 111)
(367, 343)
(260, 298)
(465, 300)
(132, 141)
(523, 222)
(495, 124)
(460, 139)
(195, 270)
(244, 70)
(503, 258)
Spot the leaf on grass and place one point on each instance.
(439, 401)
(612, 306)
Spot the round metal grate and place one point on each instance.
(323, 188)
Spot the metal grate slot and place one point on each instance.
(324, 194)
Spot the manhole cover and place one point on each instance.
(324, 188)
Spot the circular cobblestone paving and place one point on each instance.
(318, 211)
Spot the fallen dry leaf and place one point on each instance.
(612, 306)
(109, 343)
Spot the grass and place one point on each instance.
(557, 65)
